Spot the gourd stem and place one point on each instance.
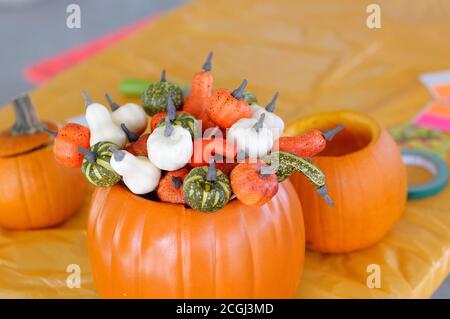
(322, 191)
(329, 134)
(163, 76)
(50, 132)
(176, 182)
(207, 65)
(239, 92)
(168, 127)
(258, 125)
(211, 176)
(171, 110)
(271, 106)
(27, 121)
(87, 98)
(132, 137)
(240, 156)
(266, 170)
(114, 106)
(118, 154)
(90, 156)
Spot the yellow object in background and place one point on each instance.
(321, 56)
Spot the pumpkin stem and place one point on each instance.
(240, 156)
(88, 154)
(329, 134)
(176, 181)
(258, 125)
(322, 191)
(118, 154)
(168, 127)
(207, 65)
(114, 106)
(171, 110)
(266, 170)
(271, 106)
(87, 98)
(27, 121)
(50, 132)
(132, 137)
(163, 76)
(239, 92)
(211, 176)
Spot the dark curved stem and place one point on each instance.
(118, 154)
(87, 98)
(163, 76)
(168, 129)
(113, 105)
(27, 121)
(258, 125)
(207, 65)
(239, 92)
(176, 181)
(211, 176)
(90, 156)
(329, 134)
(322, 191)
(132, 137)
(271, 106)
(50, 132)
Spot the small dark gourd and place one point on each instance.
(185, 120)
(206, 188)
(96, 165)
(154, 98)
(286, 164)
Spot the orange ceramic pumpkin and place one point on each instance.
(145, 249)
(35, 191)
(366, 179)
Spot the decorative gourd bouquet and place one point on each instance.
(201, 151)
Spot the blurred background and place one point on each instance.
(40, 31)
(36, 43)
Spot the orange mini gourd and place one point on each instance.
(35, 191)
(145, 249)
(365, 177)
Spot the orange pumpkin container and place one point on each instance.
(140, 248)
(366, 179)
(35, 191)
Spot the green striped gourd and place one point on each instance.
(185, 120)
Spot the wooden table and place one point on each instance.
(320, 56)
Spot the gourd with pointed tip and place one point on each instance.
(154, 98)
(251, 136)
(206, 188)
(101, 124)
(96, 165)
(271, 120)
(130, 114)
(138, 173)
(169, 147)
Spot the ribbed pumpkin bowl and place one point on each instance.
(141, 248)
(365, 177)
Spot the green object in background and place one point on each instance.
(135, 87)
(409, 136)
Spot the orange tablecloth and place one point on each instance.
(320, 56)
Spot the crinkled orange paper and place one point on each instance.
(320, 56)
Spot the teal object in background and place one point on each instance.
(432, 163)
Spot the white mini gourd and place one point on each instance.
(138, 172)
(271, 120)
(251, 136)
(170, 146)
(101, 124)
(130, 114)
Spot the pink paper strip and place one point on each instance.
(432, 121)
